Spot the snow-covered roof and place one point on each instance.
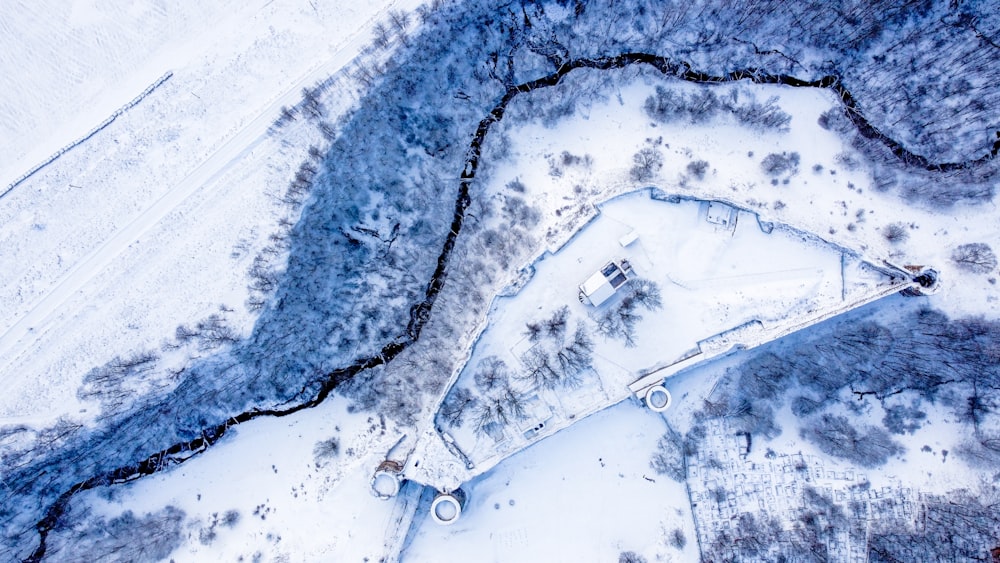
(602, 285)
(597, 289)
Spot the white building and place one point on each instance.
(604, 283)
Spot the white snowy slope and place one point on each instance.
(588, 494)
(293, 503)
(177, 194)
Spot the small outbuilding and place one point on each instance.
(605, 282)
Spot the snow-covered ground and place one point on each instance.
(295, 503)
(178, 194)
(822, 195)
(716, 271)
(587, 494)
(826, 195)
(153, 222)
(836, 202)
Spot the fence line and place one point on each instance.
(89, 134)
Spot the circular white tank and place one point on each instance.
(447, 507)
(385, 484)
(658, 398)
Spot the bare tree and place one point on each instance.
(539, 368)
(126, 537)
(836, 436)
(555, 327)
(214, 332)
(621, 319)
(263, 278)
(367, 72)
(533, 331)
(381, 36)
(456, 405)
(110, 383)
(400, 21)
(501, 407)
(669, 458)
(311, 103)
(491, 373)
(646, 163)
(962, 526)
(576, 356)
(976, 257)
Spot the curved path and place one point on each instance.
(419, 313)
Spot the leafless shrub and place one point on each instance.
(677, 538)
(326, 449)
(630, 557)
(516, 185)
(697, 168)
(895, 233)
(776, 164)
(848, 160)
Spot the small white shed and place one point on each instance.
(604, 283)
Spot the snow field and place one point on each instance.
(86, 59)
(815, 203)
(837, 202)
(583, 496)
(823, 203)
(178, 194)
(294, 505)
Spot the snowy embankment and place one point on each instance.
(178, 194)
